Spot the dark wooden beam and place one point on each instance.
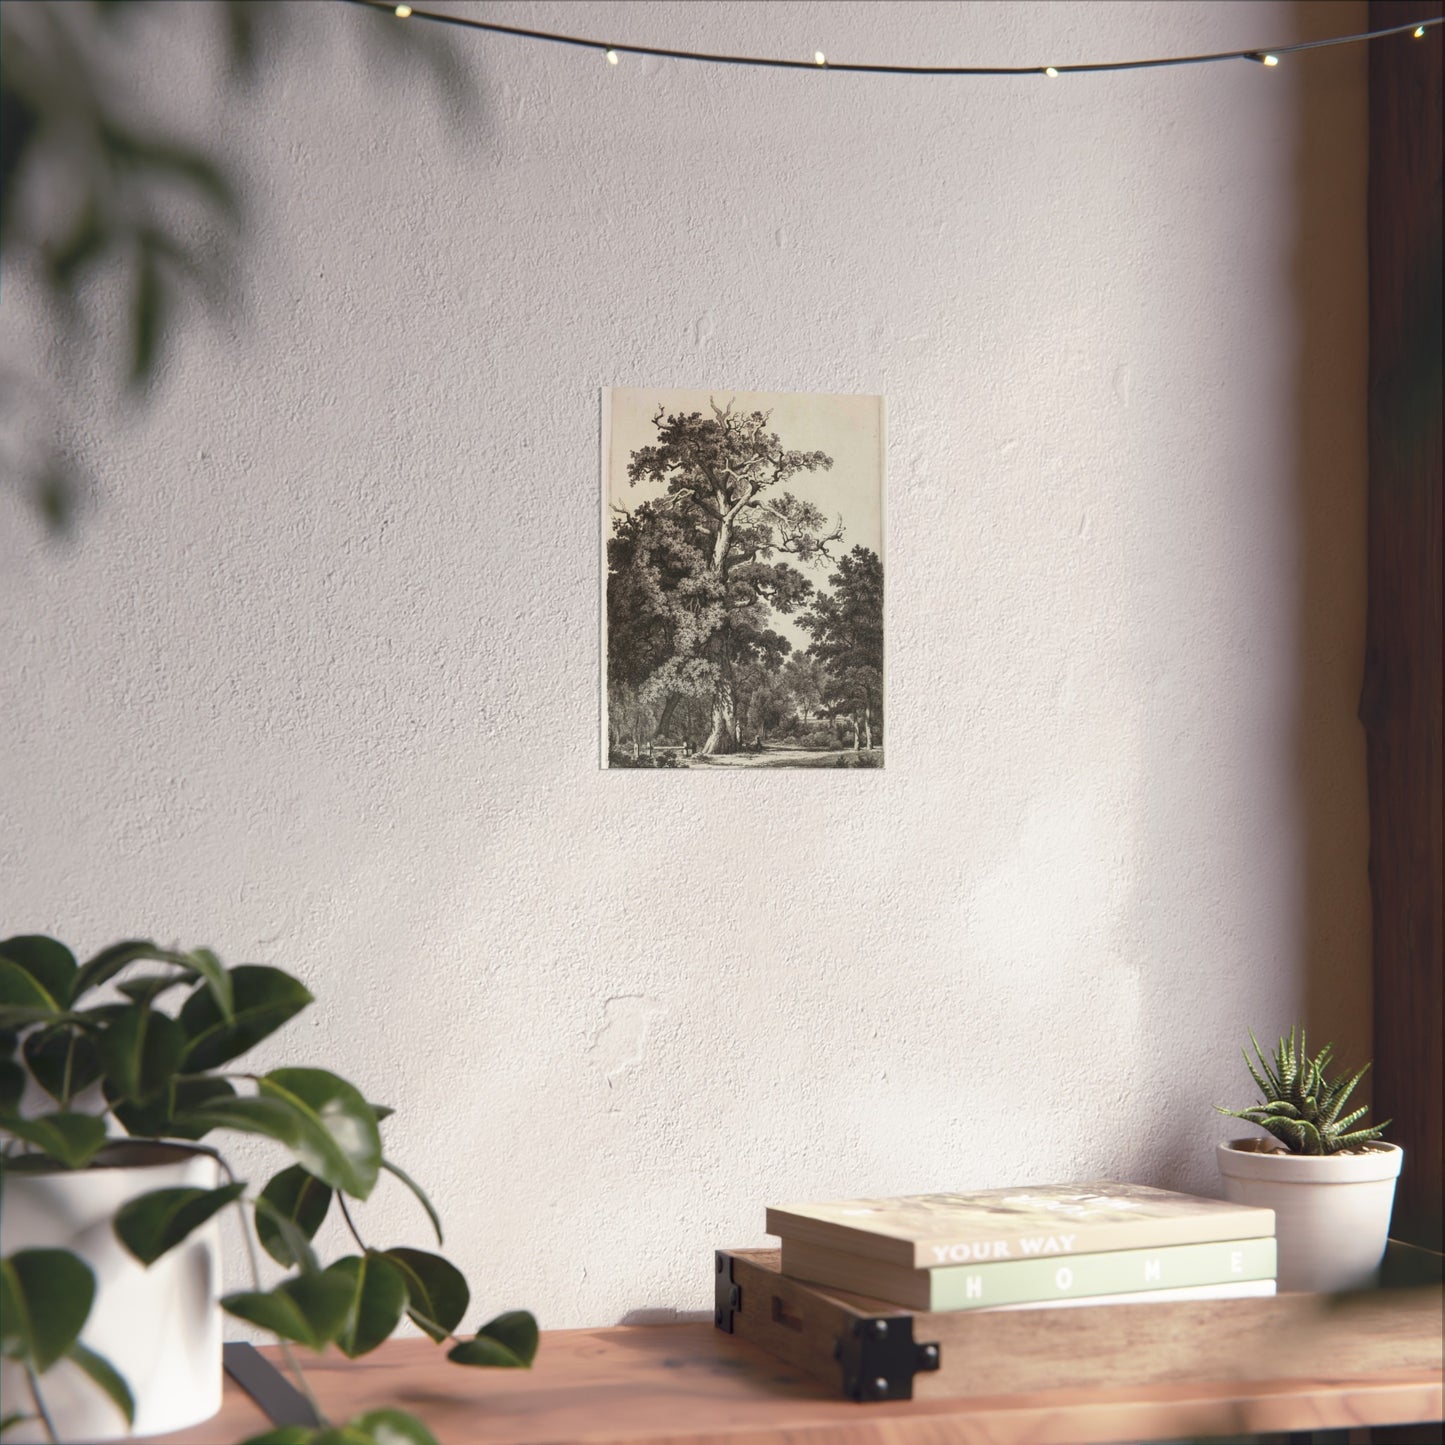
(1400, 703)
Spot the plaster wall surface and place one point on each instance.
(314, 680)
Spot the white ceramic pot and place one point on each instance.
(1331, 1211)
(160, 1327)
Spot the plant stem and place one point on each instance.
(39, 1403)
(291, 1361)
(346, 1215)
(69, 1065)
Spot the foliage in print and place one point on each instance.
(700, 670)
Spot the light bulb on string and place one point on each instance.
(1260, 57)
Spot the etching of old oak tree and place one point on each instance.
(739, 629)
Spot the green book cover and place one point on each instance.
(1030, 1281)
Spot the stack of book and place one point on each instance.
(1031, 1247)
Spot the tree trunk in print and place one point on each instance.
(724, 735)
(868, 726)
(668, 709)
(853, 718)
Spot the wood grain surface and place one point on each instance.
(1401, 697)
(670, 1384)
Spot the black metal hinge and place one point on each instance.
(880, 1358)
(727, 1296)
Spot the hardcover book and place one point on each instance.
(925, 1231)
(1248, 1289)
(1032, 1281)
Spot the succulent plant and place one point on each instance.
(1301, 1108)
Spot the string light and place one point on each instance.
(1260, 56)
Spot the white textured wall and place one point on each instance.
(315, 683)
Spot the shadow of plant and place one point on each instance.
(87, 187)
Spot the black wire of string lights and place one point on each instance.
(613, 50)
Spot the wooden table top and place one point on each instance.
(691, 1384)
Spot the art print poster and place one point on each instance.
(743, 589)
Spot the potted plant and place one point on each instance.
(109, 1198)
(1331, 1185)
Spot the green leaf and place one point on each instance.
(151, 1224)
(310, 1310)
(210, 968)
(73, 1139)
(45, 1299)
(10, 1421)
(148, 315)
(181, 162)
(23, 999)
(48, 1052)
(50, 964)
(87, 238)
(437, 1293)
(416, 1189)
(340, 1143)
(392, 1427)
(382, 1111)
(341, 1435)
(14, 1323)
(263, 999)
(109, 962)
(507, 1342)
(296, 1196)
(295, 1243)
(330, 1141)
(104, 1374)
(284, 1435)
(148, 989)
(378, 1296)
(161, 1117)
(141, 1051)
(1360, 1136)
(186, 1094)
(12, 1086)
(269, 1117)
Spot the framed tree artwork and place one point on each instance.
(743, 580)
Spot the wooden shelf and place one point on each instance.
(670, 1384)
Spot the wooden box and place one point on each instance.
(871, 1350)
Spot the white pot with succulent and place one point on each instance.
(1332, 1188)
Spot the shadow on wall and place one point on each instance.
(1323, 901)
(91, 187)
(1331, 305)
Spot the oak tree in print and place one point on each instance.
(724, 642)
(847, 628)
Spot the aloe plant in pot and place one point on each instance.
(113, 1086)
(1331, 1184)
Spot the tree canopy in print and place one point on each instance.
(744, 580)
